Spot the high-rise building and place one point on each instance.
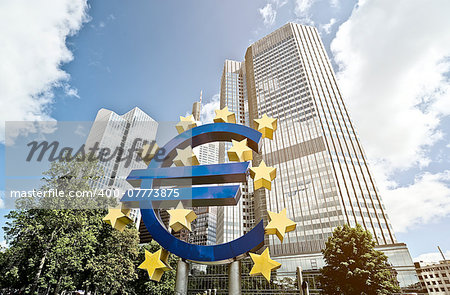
(323, 178)
(204, 226)
(120, 136)
(196, 108)
(234, 221)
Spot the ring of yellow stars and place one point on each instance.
(263, 265)
(266, 125)
(279, 224)
(240, 152)
(156, 264)
(147, 152)
(185, 157)
(263, 176)
(181, 218)
(224, 116)
(185, 123)
(118, 217)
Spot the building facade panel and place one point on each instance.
(120, 136)
(434, 277)
(323, 178)
(234, 221)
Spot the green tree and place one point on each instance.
(353, 266)
(66, 245)
(112, 268)
(11, 273)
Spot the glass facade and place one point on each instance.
(234, 221)
(204, 226)
(113, 131)
(323, 178)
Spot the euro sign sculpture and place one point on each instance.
(159, 173)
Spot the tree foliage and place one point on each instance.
(353, 266)
(66, 245)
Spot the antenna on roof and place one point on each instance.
(201, 94)
(442, 253)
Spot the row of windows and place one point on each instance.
(435, 268)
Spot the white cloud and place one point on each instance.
(302, 11)
(268, 14)
(207, 113)
(393, 72)
(32, 50)
(432, 257)
(2, 196)
(69, 91)
(327, 27)
(334, 3)
(80, 131)
(392, 61)
(279, 3)
(303, 6)
(3, 244)
(425, 201)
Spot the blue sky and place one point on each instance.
(76, 58)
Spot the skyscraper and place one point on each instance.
(234, 221)
(196, 108)
(123, 135)
(204, 226)
(323, 178)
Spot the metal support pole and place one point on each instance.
(305, 288)
(300, 279)
(234, 278)
(181, 282)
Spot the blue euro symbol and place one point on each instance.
(160, 173)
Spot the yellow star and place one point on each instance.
(263, 176)
(279, 224)
(185, 157)
(156, 264)
(224, 116)
(147, 152)
(263, 264)
(185, 123)
(266, 125)
(118, 217)
(181, 218)
(240, 152)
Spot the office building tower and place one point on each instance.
(196, 108)
(234, 221)
(204, 226)
(122, 136)
(323, 178)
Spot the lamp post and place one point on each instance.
(181, 283)
(234, 278)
